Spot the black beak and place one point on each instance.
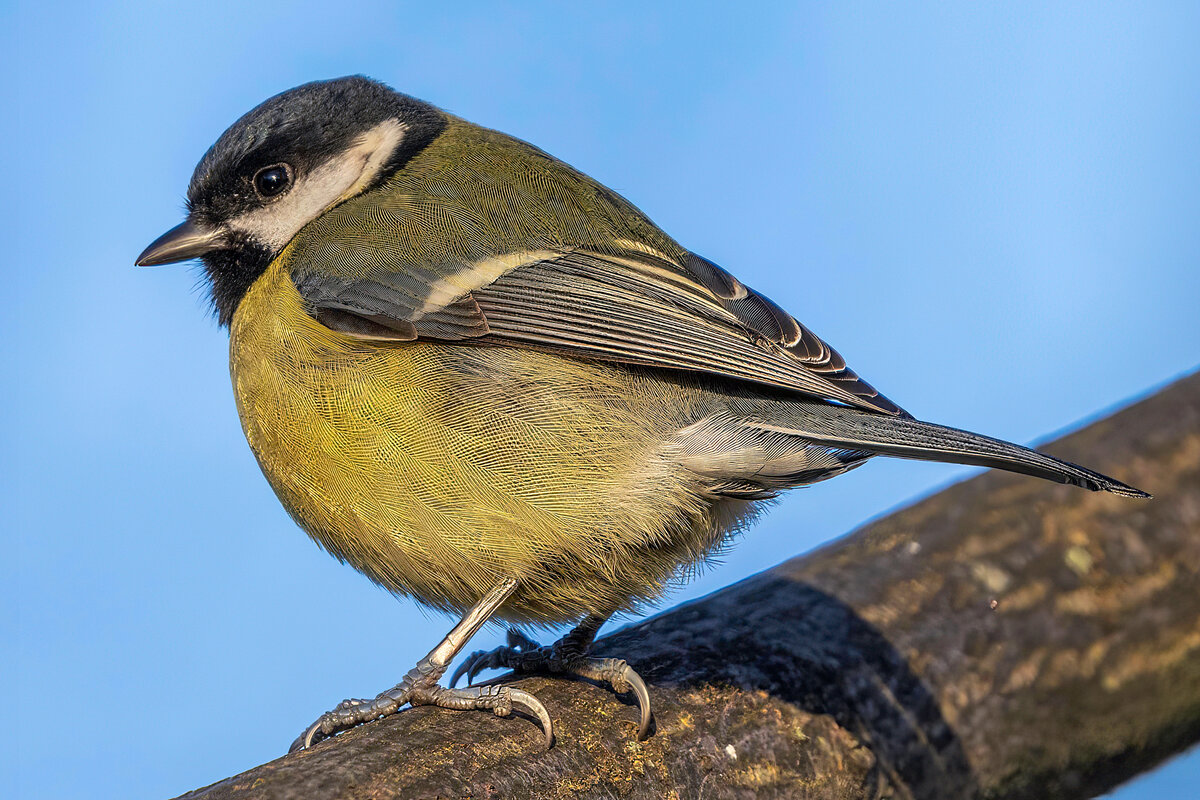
(184, 241)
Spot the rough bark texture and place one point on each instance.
(1005, 638)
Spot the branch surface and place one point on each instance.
(1004, 638)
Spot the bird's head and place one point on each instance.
(281, 166)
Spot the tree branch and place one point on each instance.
(1005, 638)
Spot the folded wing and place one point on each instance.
(623, 306)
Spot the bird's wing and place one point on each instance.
(630, 307)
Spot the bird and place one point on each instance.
(491, 384)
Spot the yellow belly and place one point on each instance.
(438, 470)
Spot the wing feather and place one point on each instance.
(627, 306)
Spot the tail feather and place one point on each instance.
(852, 429)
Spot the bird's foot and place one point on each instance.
(420, 688)
(564, 657)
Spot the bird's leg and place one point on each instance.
(567, 656)
(420, 686)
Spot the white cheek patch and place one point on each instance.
(338, 179)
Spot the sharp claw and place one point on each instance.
(472, 665)
(476, 668)
(521, 654)
(461, 668)
(305, 740)
(643, 697)
(534, 706)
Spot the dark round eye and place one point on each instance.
(272, 180)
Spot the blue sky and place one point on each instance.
(990, 211)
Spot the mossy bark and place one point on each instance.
(1005, 638)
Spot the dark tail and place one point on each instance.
(848, 428)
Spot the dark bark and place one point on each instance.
(1005, 638)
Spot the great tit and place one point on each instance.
(492, 384)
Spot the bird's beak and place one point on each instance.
(184, 241)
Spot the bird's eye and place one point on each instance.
(272, 180)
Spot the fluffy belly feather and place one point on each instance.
(438, 470)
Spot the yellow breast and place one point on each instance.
(437, 470)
